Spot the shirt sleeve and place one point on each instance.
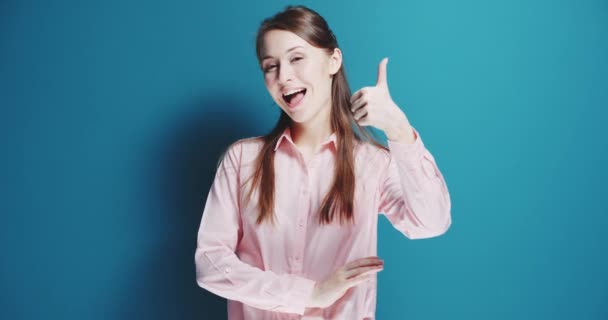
(414, 195)
(218, 268)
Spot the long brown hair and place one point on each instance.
(310, 26)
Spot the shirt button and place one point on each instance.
(227, 270)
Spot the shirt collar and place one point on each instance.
(287, 135)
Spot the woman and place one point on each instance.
(289, 228)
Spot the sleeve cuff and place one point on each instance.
(407, 152)
(301, 292)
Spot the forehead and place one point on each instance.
(277, 42)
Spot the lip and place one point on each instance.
(290, 107)
(293, 107)
(284, 91)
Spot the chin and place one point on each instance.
(296, 118)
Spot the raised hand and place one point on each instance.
(373, 106)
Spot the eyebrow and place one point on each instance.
(288, 50)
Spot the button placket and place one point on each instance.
(300, 223)
(311, 163)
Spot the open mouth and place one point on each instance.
(294, 98)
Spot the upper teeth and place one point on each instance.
(292, 91)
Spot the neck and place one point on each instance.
(312, 133)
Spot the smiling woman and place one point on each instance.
(289, 228)
(291, 66)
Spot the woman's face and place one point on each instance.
(297, 75)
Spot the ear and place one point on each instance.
(335, 61)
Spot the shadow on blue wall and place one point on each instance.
(165, 287)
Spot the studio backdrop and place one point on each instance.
(114, 115)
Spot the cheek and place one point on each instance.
(270, 83)
(268, 79)
(309, 72)
(314, 74)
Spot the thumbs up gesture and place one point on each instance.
(373, 106)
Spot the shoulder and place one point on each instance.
(242, 151)
(249, 144)
(249, 147)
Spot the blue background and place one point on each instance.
(114, 114)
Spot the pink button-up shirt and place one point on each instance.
(269, 273)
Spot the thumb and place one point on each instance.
(382, 73)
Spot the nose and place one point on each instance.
(285, 73)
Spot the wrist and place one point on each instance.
(398, 122)
(311, 298)
(403, 133)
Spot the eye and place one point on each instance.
(296, 59)
(270, 67)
